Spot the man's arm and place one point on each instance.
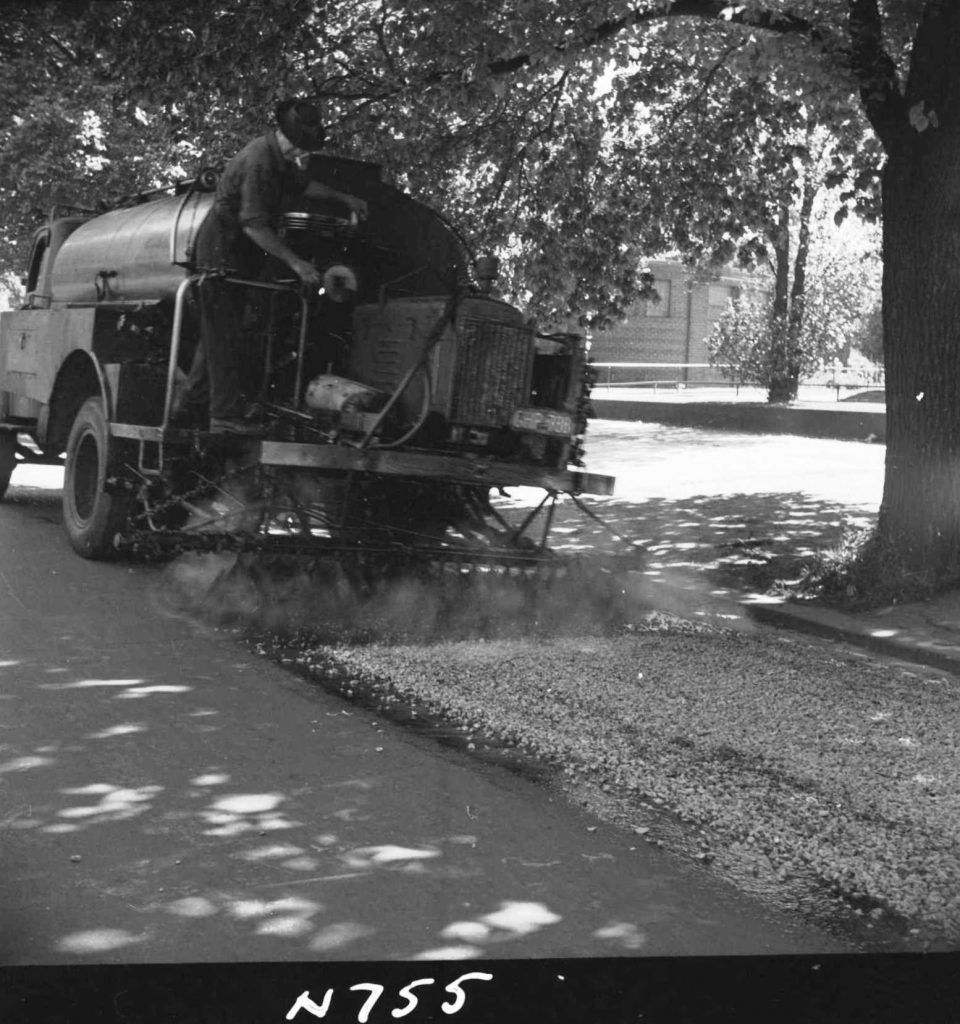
(315, 190)
(268, 240)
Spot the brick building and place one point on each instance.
(673, 330)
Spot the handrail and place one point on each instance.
(178, 305)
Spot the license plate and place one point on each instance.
(543, 421)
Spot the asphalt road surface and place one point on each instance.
(166, 796)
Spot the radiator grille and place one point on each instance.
(492, 376)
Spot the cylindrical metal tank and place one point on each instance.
(126, 254)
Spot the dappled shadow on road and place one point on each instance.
(738, 541)
(146, 856)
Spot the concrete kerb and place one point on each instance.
(920, 646)
(840, 421)
(906, 633)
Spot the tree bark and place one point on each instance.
(798, 290)
(920, 512)
(783, 382)
(791, 331)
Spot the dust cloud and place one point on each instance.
(321, 598)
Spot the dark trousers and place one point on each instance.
(223, 362)
(215, 372)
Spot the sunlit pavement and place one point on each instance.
(166, 797)
(651, 461)
(703, 506)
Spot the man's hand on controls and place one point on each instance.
(307, 272)
(357, 205)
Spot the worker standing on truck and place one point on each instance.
(236, 237)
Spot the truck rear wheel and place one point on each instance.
(8, 458)
(91, 516)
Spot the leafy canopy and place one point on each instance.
(574, 139)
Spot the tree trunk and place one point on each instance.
(789, 326)
(920, 512)
(919, 519)
(784, 384)
(783, 375)
(798, 290)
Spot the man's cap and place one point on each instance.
(300, 121)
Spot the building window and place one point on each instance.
(720, 295)
(653, 307)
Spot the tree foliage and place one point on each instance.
(572, 141)
(67, 137)
(572, 137)
(839, 304)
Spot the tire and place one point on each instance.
(92, 518)
(8, 458)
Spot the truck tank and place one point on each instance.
(125, 254)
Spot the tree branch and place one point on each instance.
(713, 10)
(378, 29)
(521, 154)
(876, 73)
(62, 47)
(707, 81)
(719, 11)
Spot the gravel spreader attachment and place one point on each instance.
(282, 533)
(375, 524)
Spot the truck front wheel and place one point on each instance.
(91, 516)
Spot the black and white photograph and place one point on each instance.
(479, 510)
